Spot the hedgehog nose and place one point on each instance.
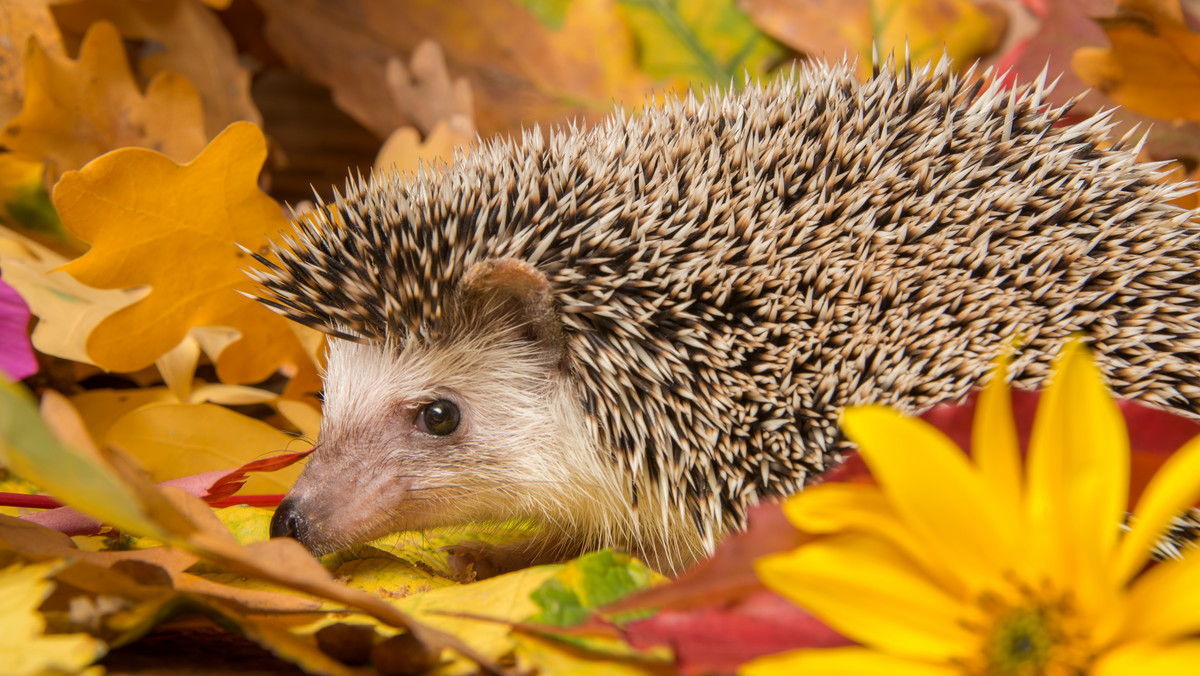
(288, 521)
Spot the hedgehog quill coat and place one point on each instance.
(641, 328)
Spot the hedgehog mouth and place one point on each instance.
(330, 518)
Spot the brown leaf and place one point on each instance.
(520, 73)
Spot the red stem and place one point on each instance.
(47, 502)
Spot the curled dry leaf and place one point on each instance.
(77, 110)
(426, 94)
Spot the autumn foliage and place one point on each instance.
(147, 145)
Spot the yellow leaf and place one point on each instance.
(506, 597)
(25, 649)
(193, 42)
(21, 20)
(176, 228)
(553, 658)
(176, 440)
(77, 110)
(1153, 66)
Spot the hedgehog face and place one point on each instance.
(418, 437)
(476, 422)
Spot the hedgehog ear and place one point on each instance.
(518, 290)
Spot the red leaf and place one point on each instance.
(232, 481)
(719, 640)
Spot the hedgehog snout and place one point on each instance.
(289, 521)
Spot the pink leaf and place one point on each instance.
(16, 354)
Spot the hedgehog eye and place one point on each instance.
(439, 417)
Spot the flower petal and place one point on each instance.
(833, 507)
(994, 441)
(1174, 488)
(1164, 603)
(1179, 658)
(870, 592)
(935, 489)
(841, 662)
(1078, 477)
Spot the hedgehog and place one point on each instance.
(629, 333)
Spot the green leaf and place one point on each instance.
(589, 582)
(551, 13)
(698, 41)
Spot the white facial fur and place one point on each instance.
(521, 449)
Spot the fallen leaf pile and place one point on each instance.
(151, 415)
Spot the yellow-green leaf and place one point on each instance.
(696, 42)
(71, 474)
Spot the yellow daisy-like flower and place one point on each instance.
(977, 565)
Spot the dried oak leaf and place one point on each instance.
(1153, 65)
(176, 229)
(428, 95)
(77, 110)
(188, 39)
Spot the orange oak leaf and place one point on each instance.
(19, 21)
(188, 39)
(176, 229)
(1153, 66)
(77, 110)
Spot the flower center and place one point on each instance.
(1022, 643)
(1037, 633)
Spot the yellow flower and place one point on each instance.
(957, 565)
